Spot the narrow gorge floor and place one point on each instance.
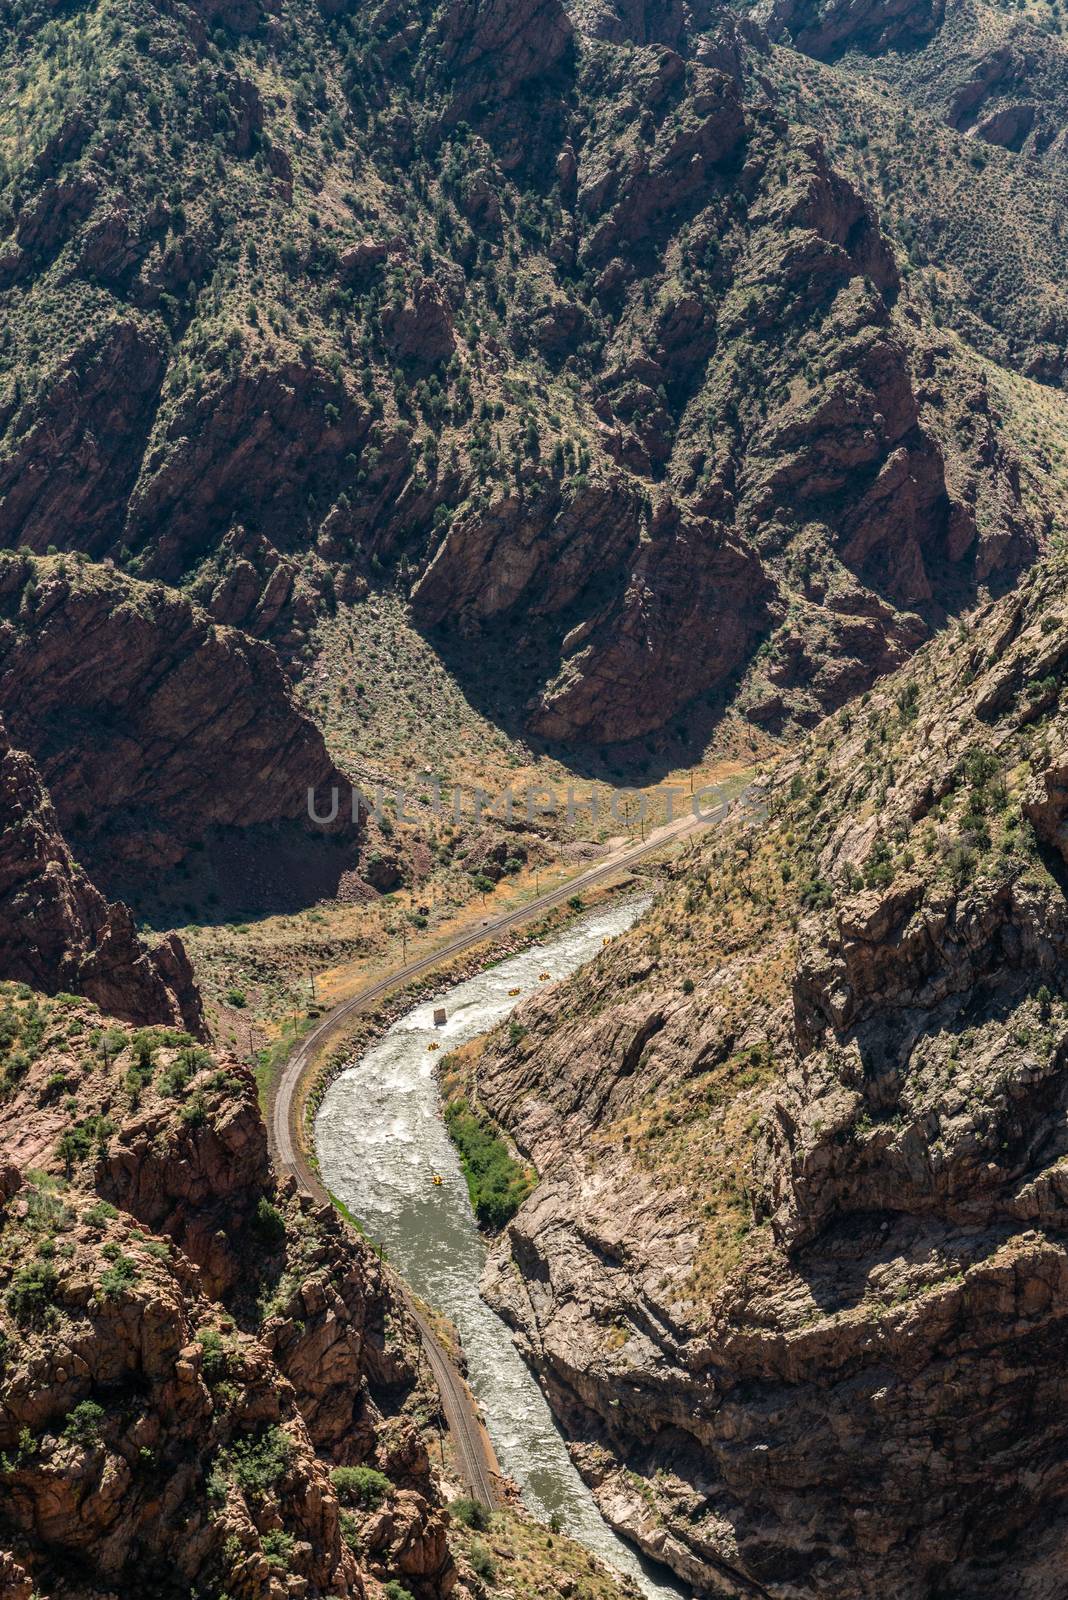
(381, 1140)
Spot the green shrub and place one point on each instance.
(961, 863)
(31, 1291)
(83, 1423)
(45, 1211)
(269, 1224)
(361, 1486)
(397, 1591)
(117, 1277)
(482, 1562)
(258, 1464)
(472, 1513)
(277, 1547)
(214, 1362)
(77, 1143)
(142, 1046)
(190, 1060)
(195, 1111)
(497, 1183)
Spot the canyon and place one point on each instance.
(537, 391)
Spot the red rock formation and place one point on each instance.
(825, 28)
(498, 46)
(695, 601)
(666, 616)
(252, 447)
(73, 457)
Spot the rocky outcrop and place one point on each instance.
(252, 448)
(499, 47)
(642, 21)
(151, 726)
(826, 28)
(72, 455)
(629, 188)
(695, 600)
(177, 1331)
(1047, 804)
(846, 465)
(1005, 84)
(796, 1257)
(58, 933)
(420, 330)
(622, 596)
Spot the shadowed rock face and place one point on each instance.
(655, 647)
(862, 459)
(499, 47)
(824, 28)
(797, 1255)
(57, 932)
(642, 21)
(151, 725)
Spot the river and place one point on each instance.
(381, 1138)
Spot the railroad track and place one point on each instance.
(471, 1442)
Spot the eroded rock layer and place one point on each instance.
(150, 724)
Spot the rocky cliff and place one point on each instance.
(953, 120)
(152, 727)
(57, 932)
(188, 1352)
(208, 1384)
(795, 1272)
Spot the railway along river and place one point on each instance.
(381, 1139)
